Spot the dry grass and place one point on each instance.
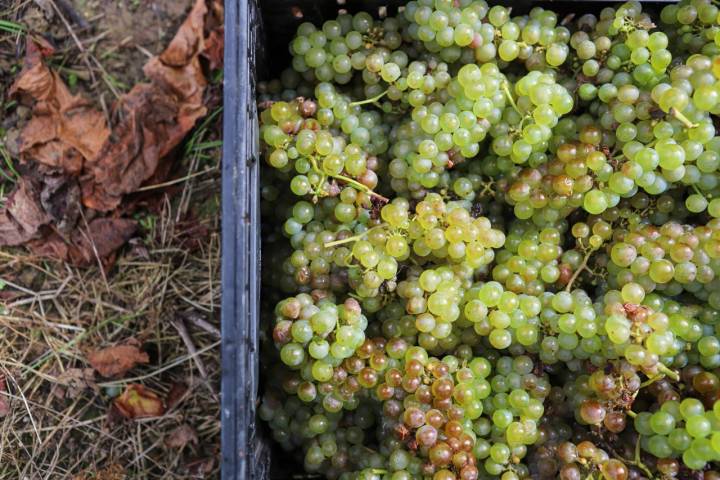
(58, 424)
(164, 284)
(162, 290)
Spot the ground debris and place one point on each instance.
(154, 117)
(115, 361)
(4, 401)
(73, 381)
(138, 402)
(75, 165)
(181, 436)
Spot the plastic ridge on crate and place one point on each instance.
(245, 452)
(242, 454)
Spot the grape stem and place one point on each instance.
(354, 238)
(506, 89)
(582, 267)
(369, 100)
(670, 373)
(361, 187)
(651, 380)
(682, 118)
(638, 463)
(631, 414)
(354, 183)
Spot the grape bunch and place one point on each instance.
(315, 337)
(494, 243)
(527, 123)
(531, 259)
(681, 430)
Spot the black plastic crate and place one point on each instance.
(243, 456)
(257, 34)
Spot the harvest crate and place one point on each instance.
(257, 33)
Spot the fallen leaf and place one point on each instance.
(102, 237)
(117, 360)
(23, 215)
(175, 395)
(138, 402)
(214, 48)
(149, 127)
(154, 117)
(76, 159)
(64, 130)
(42, 196)
(60, 198)
(181, 436)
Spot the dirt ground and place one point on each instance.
(161, 293)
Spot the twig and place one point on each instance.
(74, 15)
(188, 341)
(509, 96)
(638, 462)
(25, 402)
(177, 180)
(39, 296)
(74, 37)
(354, 238)
(354, 183)
(197, 320)
(670, 373)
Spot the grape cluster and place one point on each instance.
(347, 44)
(681, 429)
(671, 259)
(530, 260)
(494, 243)
(527, 123)
(315, 337)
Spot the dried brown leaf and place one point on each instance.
(65, 130)
(154, 116)
(102, 237)
(23, 216)
(181, 436)
(215, 48)
(99, 240)
(138, 402)
(76, 161)
(117, 360)
(42, 197)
